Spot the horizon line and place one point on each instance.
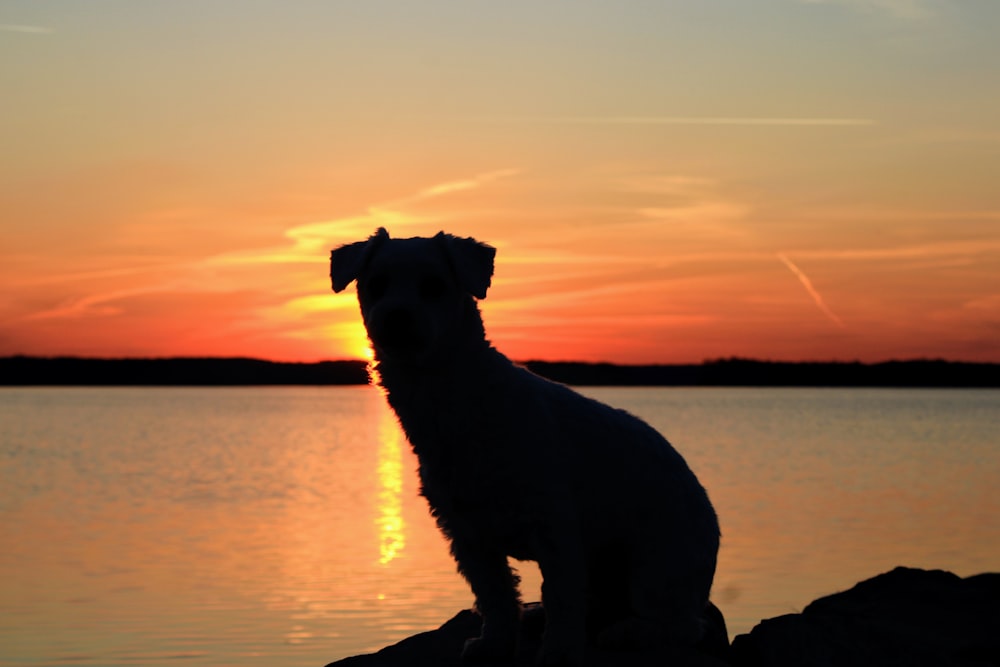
(711, 360)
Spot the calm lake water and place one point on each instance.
(266, 526)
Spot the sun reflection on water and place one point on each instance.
(389, 501)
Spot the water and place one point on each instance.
(263, 526)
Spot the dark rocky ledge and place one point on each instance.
(906, 617)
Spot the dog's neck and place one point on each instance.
(447, 370)
(441, 407)
(455, 362)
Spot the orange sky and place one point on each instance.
(665, 182)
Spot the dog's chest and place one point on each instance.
(475, 490)
(472, 473)
(487, 503)
(464, 463)
(480, 475)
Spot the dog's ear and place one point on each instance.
(347, 261)
(472, 262)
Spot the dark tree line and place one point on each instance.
(79, 371)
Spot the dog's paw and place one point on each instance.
(489, 649)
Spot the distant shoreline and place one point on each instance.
(220, 371)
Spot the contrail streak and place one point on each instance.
(26, 29)
(816, 297)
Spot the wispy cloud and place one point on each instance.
(26, 29)
(903, 9)
(465, 184)
(748, 121)
(312, 239)
(665, 185)
(938, 249)
(304, 244)
(95, 305)
(699, 213)
(815, 295)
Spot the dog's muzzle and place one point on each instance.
(398, 334)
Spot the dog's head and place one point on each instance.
(416, 294)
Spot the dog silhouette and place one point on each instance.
(513, 465)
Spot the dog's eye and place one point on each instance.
(376, 286)
(432, 287)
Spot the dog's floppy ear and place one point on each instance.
(347, 261)
(472, 262)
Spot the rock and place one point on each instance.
(439, 647)
(442, 647)
(903, 617)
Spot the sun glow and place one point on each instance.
(359, 347)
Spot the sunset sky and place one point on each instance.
(664, 181)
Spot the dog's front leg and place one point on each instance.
(497, 599)
(562, 562)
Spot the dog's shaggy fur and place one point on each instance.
(514, 465)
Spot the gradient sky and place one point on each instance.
(665, 181)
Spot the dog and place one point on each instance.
(513, 465)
